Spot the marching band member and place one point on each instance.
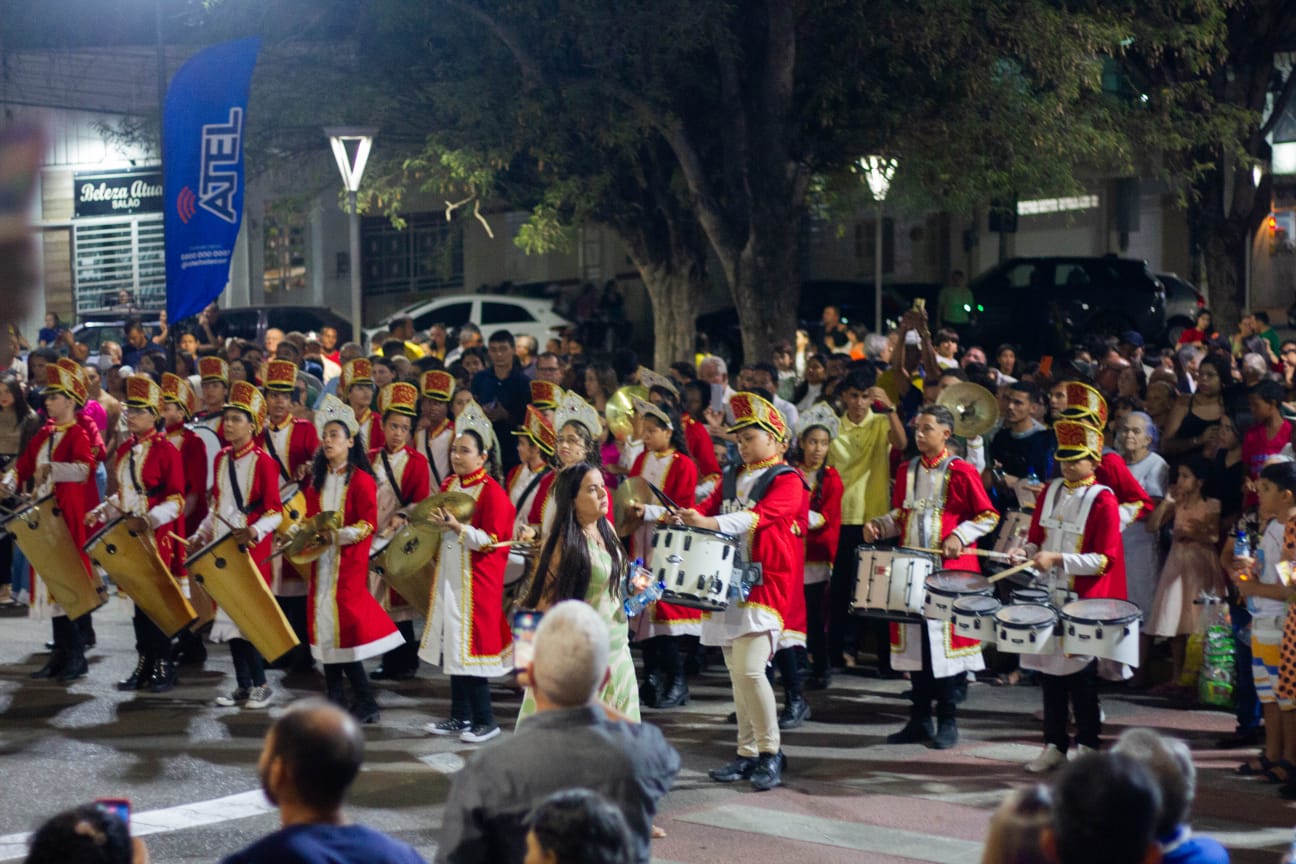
(665, 463)
(59, 460)
(701, 450)
(938, 502)
(81, 396)
(403, 479)
(215, 383)
(763, 502)
(1075, 540)
(578, 430)
(291, 442)
(245, 495)
(1084, 404)
(178, 405)
(816, 428)
(346, 623)
(467, 633)
(526, 480)
(356, 386)
(149, 478)
(435, 430)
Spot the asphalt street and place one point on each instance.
(189, 768)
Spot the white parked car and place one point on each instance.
(490, 312)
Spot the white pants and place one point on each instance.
(746, 658)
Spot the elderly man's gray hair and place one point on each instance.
(1170, 762)
(571, 653)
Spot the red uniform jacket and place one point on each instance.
(360, 620)
(1113, 473)
(74, 446)
(701, 449)
(680, 485)
(415, 485)
(161, 476)
(376, 440)
(303, 441)
(826, 500)
(99, 453)
(1102, 535)
(262, 498)
(193, 463)
(777, 544)
(494, 514)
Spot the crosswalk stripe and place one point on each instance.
(859, 837)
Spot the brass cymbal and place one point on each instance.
(458, 504)
(307, 544)
(975, 408)
(411, 549)
(633, 490)
(619, 411)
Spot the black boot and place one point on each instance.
(769, 771)
(946, 728)
(676, 695)
(53, 666)
(139, 676)
(85, 627)
(740, 768)
(76, 666)
(672, 659)
(191, 650)
(916, 731)
(796, 710)
(165, 676)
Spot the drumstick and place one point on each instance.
(982, 553)
(671, 506)
(1004, 574)
(176, 537)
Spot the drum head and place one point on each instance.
(977, 604)
(1026, 615)
(1030, 595)
(1102, 611)
(719, 535)
(957, 582)
(288, 492)
(102, 531)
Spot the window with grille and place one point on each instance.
(427, 255)
(119, 265)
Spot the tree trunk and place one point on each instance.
(670, 256)
(1224, 254)
(765, 285)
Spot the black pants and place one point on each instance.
(249, 667)
(1081, 689)
(405, 658)
(816, 627)
(335, 676)
(842, 626)
(470, 700)
(6, 559)
(946, 692)
(150, 641)
(791, 663)
(67, 635)
(294, 609)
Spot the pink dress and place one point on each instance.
(1192, 566)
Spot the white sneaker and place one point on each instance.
(1049, 759)
(259, 697)
(239, 695)
(1079, 751)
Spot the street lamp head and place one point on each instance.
(877, 172)
(352, 170)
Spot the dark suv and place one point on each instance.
(1045, 305)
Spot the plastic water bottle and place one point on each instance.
(639, 602)
(1032, 479)
(1241, 546)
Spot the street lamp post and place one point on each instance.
(352, 169)
(877, 172)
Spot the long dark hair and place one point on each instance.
(593, 454)
(492, 465)
(567, 540)
(676, 428)
(22, 409)
(357, 458)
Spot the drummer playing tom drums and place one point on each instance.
(938, 500)
(1075, 512)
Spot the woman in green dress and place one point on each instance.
(583, 560)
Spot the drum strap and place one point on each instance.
(274, 453)
(391, 477)
(762, 484)
(535, 481)
(234, 485)
(427, 448)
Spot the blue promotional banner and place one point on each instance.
(202, 168)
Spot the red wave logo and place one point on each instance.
(186, 204)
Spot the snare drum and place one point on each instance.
(1102, 628)
(1025, 628)
(974, 617)
(43, 536)
(945, 586)
(1035, 596)
(696, 566)
(890, 583)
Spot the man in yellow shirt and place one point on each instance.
(861, 453)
